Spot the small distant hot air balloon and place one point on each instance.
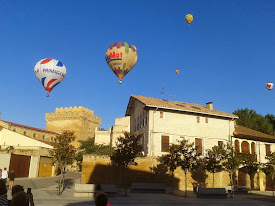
(269, 85)
(50, 73)
(177, 72)
(121, 58)
(189, 18)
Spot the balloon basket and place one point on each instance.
(47, 95)
(120, 82)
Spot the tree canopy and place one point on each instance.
(249, 118)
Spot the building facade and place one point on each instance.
(31, 132)
(26, 156)
(78, 119)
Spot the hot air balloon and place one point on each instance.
(177, 72)
(269, 85)
(50, 72)
(121, 58)
(189, 18)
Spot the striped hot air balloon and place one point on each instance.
(121, 58)
(50, 72)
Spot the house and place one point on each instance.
(164, 122)
(27, 156)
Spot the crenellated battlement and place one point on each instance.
(73, 113)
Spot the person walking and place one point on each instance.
(5, 175)
(11, 177)
(3, 193)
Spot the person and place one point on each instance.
(5, 175)
(0, 173)
(11, 176)
(3, 193)
(101, 199)
(22, 199)
(16, 188)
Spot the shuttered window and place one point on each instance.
(237, 146)
(165, 143)
(198, 145)
(267, 149)
(220, 143)
(161, 115)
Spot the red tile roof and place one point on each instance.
(32, 128)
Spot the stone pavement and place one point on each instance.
(45, 193)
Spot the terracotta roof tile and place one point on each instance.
(247, 133)
(32, 128)
(181, 106)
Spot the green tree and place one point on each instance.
(198, 172)
(63, 154)
(269, 168)
(232, 162)
(89, 147)
(271, 119)
(249, 118)
(126, 150)
(214, 160)
(187, 158)
(171, 159)
(250, 166)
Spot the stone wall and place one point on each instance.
(78, 119)
(98, 169)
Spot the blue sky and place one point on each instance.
(226, 56)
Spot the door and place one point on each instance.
(20, 164)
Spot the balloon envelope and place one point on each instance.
(189, 18)
(177, 72)
(50, 72)
(121, 58)
(269, 85)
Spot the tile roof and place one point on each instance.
(247, 133)
(180, 106)
(32, 128)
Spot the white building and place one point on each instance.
(26, 156)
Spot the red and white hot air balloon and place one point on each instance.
(269, 85)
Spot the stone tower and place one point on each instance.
(78, 119)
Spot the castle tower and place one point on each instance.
(78, 119)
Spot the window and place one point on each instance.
(43, 137)
(52, 139)
(237, 146)
(206, 119)
(267, 149)
(165, 143)
(160, 114)
(198, 145)
(198, 119)
(25, 133)
(253, 148)
(14, 130)
(220, 143)
(245, 147)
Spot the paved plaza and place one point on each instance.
(45, 193)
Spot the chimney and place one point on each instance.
(209, 105)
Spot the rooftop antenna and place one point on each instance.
(162, 92)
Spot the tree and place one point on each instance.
(127, 149)
(89, 147)
(187, 158)
(231, 163)
(214, 160)
(171, 160)
(269, 168)
(63, 154)
(198, 172)
(250, 166)
(271, 119)
(249, 118)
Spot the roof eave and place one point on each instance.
(191, 111)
